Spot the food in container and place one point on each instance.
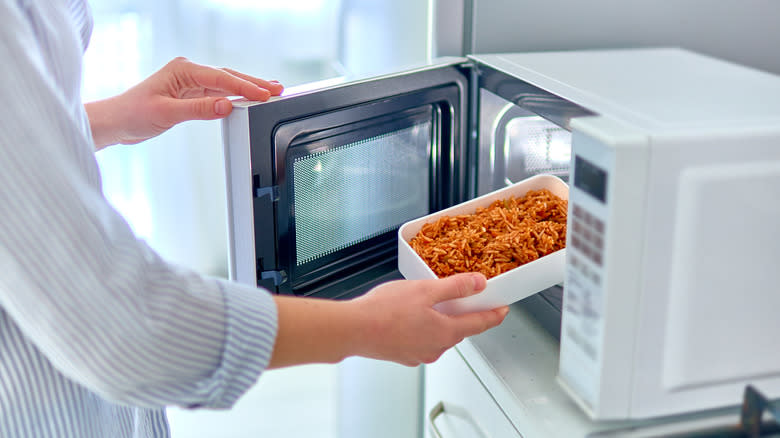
(519, 256)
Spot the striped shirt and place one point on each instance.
(97, 333)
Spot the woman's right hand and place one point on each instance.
(395, 321)
(402, 325)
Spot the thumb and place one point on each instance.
(202, 108)
(457, 286)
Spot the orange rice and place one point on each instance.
(493, 240)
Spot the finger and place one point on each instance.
(204, 108)
(470, 324)
(212, 93)
(273, 86)
(457, 286)
(222, 81)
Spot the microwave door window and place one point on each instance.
(348, 189)
(357, 191)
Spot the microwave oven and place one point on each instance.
(673, 163)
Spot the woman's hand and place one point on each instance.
(403, 326)
(395, 321)
(182, 90)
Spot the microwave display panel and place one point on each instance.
(590, 178)
(350, 193)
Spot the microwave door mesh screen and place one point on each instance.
(350, 193)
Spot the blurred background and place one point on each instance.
(172, 188)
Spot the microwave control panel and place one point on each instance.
(582, 325)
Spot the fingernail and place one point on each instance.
(479, 281)
(223, 107)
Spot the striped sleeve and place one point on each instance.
(101, 305)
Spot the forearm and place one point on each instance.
(395, 321)
(315, 331)
(105, 121)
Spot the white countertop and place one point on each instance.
(518, 361)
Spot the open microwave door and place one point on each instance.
(319, 182)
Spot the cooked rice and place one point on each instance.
(493, 240)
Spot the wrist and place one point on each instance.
(104, 121)
(313, 330)
(360, 330)
(369, 329)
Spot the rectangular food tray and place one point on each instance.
(503, 289)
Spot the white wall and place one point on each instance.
(742, 31)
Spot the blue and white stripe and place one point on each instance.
(97, 333)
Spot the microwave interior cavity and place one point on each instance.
(516, 144)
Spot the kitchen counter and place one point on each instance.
(517, 363)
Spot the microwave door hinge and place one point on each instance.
(272, 192)
(278, 277)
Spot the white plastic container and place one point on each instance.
(503, 289)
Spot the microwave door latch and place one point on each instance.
(271, 191)
(278, 277)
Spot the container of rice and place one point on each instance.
(516, 236)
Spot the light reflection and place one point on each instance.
(136, 209)
(559, 150)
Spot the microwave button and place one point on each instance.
(598, 225)
(588, 251)
(589, 219)
(577, 243)
(596, 257)
(587, 234)
(575, 260)
(588, 311)
(577, 226)
(577, 211)
(597, 240)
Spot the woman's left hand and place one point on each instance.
(182, 90)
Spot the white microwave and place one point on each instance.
(673, 247)
(673, 240)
